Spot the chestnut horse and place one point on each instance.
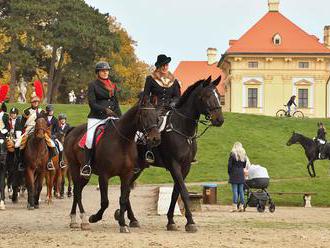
(35, 159)
(114, 155)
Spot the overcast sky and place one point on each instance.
(184, 29)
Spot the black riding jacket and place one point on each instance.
(321, 134)
(99, 99)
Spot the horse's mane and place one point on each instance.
(188, 92)
(304, 137)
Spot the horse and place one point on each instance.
(3, 169)
(310, 147)
(179, 144)
(59, 180)
(114, 155)
(36, 156)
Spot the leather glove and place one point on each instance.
(109, 112)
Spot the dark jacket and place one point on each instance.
(62, 130)
(54, 123)
(321, 134)
(99, 99)
(291, 101)
(15, 126)
(235, 170)
(5, 120)
(163, 95)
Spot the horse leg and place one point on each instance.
(124, 193)
(308, 168)
(29, 177)
(2, 186)
(69, 177)
(313, 169)
(38, 186)
(103, 184)
(57, 182)
(133, 221)
(177, 176)
(73, 222)
(77, 192)
(175, 194)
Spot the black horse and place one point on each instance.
(310, 147)
(3, 169)
(179, 146)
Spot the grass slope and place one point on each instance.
(264, 139)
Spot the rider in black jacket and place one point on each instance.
(103, 103)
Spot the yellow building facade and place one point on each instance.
(273, 61)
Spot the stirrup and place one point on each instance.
(62, 164)
(149, 157)
(20, 167)
(86, 171)
(50, 166)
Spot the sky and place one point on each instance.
(184, 29)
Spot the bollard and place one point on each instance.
(210, 193)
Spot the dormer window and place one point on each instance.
(277, 40)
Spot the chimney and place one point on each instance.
(211, 56)
(327, 36)
(273, 5)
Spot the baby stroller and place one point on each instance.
(256, 189)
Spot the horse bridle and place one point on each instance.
(145, 130)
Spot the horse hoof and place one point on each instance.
(191, 228)
(2, 205)
(85, 226)
(171, 227)
(116, 215)
(124, 229)
(74, 225)
(134, 224)
(30, 207)
(93, 219)
(36, 206)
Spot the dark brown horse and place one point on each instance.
(35, 159)
(115, 155)
(179, 143)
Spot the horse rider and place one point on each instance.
(15, 129)
(27, 125)
(103, 103)
(62, 128)
(321, 139)
(161, 86)
(4, 118)
(290, 103)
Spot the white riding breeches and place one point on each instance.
(60, 145)
(92, 124)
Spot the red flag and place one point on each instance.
(3, 92)
(38, 88)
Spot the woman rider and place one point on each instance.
(163, 88)
(103, 103)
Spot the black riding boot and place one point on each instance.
(20, 158)
(86, 170)
(52, 153)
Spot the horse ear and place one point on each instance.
(217, 81)
(207, 81)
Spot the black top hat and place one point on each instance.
(13, 110)
(3, 107)
(162, 59)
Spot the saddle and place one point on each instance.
(97, 136)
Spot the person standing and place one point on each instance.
(236, 164)
(103, 104)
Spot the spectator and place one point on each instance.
(236, 164)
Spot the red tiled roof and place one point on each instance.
(258, 39)
(189, 72)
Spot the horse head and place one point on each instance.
(148, 122)
(3, 143)
(210, 105)
(40, 128)
(294, 139)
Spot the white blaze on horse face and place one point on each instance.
(217, 97)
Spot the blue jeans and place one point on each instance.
(289, 110)
(238, 192)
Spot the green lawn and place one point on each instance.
(264, 139)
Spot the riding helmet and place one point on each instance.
(13, 110)
(49, 108)
(62, 116)
(102, 65)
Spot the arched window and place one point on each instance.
(277, 40)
